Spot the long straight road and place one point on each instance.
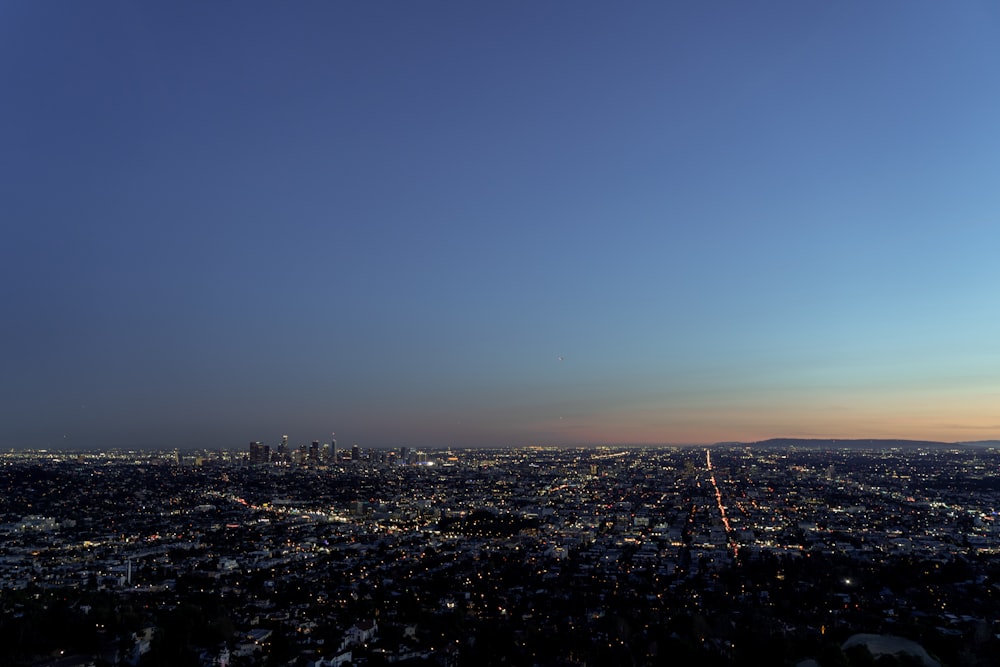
(730, 535)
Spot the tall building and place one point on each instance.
(355, 453)
(314, 452)
(259, 453)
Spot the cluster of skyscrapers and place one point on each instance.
(314, 454)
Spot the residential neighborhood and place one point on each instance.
(537, 556)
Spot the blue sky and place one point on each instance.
(226, 222)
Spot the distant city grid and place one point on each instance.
(318, 555)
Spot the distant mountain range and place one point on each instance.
(980, 443)
(871, 443)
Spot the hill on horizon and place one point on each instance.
(866, 443)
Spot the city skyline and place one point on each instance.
(451, 225)
(729, 555)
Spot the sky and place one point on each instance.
(498, 223)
